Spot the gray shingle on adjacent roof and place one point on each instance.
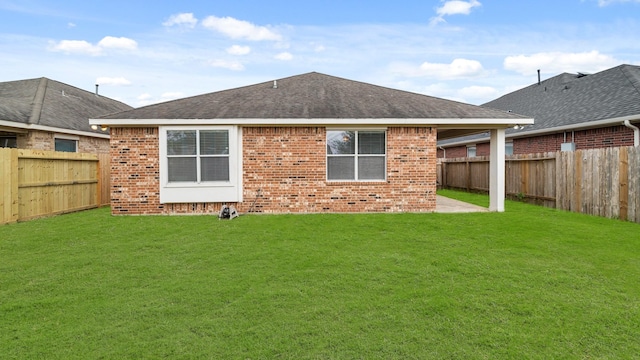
(569, 99)
(312, 96)
(51, 103)
(572, 99)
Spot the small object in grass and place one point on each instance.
(228, 212)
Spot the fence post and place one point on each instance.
(9, 189)
(624, 183)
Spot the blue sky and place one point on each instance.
(142, 52)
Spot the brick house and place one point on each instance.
(45, 114)
(571, 112)
(304, 144)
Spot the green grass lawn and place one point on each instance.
(530, 283)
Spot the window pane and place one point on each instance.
(341, 142)
(214, 142)
(370, 142)
(341, 168)
(214, 168)
(65, 145)
(508, 148)
(371, 167)
(471, 151)
(182, 169)
(181, 142)
(8, 142)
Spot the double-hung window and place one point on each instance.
(198, 155)
(199, 164)
(356, 155)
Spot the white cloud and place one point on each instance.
(603, 3)
(230, 65)
(239, 29)
(459, 68)
(86, 48)
(238, 50)
(76, 47)
(478, 92)
(285, 56)
(71, 25)
(558, 62)
(111, 42)
(181, 19)
(147, 99)
(117, 81)
(454, 7)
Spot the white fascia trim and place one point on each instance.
(580, 126)
(447, 123)
(17, 125)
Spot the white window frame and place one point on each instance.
(508, 145)
(475, 150)
(199, 192)
(356, 155)
(75, 139)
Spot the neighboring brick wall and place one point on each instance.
(456, 152)
(36, 140)
(93, 145)
(585, 139)
(483, 149)
(45, 140)
(284, 171)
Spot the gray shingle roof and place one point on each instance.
(51, 103)
(569, 99)
(312, 96)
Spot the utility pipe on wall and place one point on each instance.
(636, 132)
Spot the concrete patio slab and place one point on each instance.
(447, 205)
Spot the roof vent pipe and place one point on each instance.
(275, 84)
(538, 76)
(97, 89)
(636, 132)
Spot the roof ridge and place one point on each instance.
(634, 79)
(38, 101)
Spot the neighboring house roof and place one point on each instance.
(43, 103)
(572, 101)
(302, 98)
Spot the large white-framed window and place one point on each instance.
(200, 164)
(356, 155)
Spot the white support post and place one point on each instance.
(497, 171)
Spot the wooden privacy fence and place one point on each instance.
(39, 183)
(602, 182)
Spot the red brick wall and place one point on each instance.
(483, 149)
(456, 152)
(135, 176)
(93, 145)
(284, 170)
(584, 139)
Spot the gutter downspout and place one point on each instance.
(444, 152)
(636, 132)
